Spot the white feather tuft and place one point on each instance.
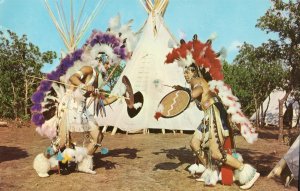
(114, 22)
(171, 43)
(62, 54)
(126, 27)
(182, 34)
(86, 165)
(196, 168)
(223, 53)
(160, 108)
(41, 165)
(213, 36)
(78, 96)
(234, 108)
(80, 154)
(246, 174)
(48, 129)
(210, 177)
(137, 105)
(125, 30)
(185, 62)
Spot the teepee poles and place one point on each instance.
(71, 29)
(158, 5)
(89, 20)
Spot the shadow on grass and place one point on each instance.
(11, 153)
(182, 154)
(128, 153)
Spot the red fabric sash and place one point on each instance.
(227, 171)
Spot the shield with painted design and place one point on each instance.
(174, 103)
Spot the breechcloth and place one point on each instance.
(215, 123)
(73, 116)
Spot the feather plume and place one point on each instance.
(196, 168)
(171, 43)
(222, 54)
(137, 105)
(234, 108)
(213, 36)
(209, 177)
(114, 22)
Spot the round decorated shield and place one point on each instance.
(129, 92)
(174, 103)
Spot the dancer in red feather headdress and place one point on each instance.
(213, 141)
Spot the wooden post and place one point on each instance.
(181, 131)
(104, 129)
(163, 131)
(144, 131)
(174, 132)
(114, 131)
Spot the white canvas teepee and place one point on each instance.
(272, 114)
(147, 72)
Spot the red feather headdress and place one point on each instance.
(199, 53)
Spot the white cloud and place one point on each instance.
(234, 46)
(2, 1)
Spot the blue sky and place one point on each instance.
(233, 21)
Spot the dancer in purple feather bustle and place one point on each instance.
(60, 110)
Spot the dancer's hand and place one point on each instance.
(177, 87)
(89, 88)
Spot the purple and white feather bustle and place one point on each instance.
(86, 56)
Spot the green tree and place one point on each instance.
(283, 19)
(19, 58)
(234, 76)
(253, 78)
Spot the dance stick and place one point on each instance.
(71, 85)
(167, 85)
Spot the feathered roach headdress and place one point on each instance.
(109, 43)
(198, 53)
(202, 55)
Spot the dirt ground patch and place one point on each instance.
(134, 162)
